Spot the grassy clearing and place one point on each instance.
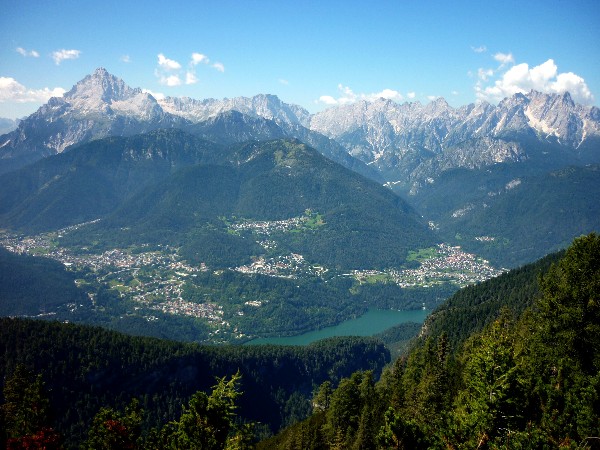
(422, 254)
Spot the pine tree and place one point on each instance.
(113, 429)
(25, 413)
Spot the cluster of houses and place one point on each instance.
(286, 266)
(450, 265)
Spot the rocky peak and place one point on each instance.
(439, 105)
(517, 100)
(103, 87)
(265, 106)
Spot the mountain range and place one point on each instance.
(102, 105)
(408, 145)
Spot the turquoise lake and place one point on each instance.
(372, 322)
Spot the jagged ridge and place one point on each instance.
(409, 143)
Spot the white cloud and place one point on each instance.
(504, 58)
(190, 78)
(171, 73)
(168, 64)
(284, 81)
(545, 78)
(156, 95)
(198, 58)
(13, 91)
(480, 49)
(484, 74)
(170, 80)
(60, 55)
(388, 94)
(432, 97)
(27, 53)
(125, 59)
(347, 95)
(168, 71)
(411, 95)
(328, 100)
(574, 85)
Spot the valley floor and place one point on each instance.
(158, 282)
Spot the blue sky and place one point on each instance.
(312, 53)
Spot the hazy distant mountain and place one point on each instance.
(232, 126)
(265, 106)
(8, 125)
(100, 105)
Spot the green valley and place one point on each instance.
(144, 289)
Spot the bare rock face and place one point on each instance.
(411, 143)
(265, 106)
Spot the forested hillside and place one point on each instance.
(526, 380)
(83, 369)
(474, 307)
(513, 214)
(32, 286)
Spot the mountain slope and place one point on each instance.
(512, 215)
(232, 126)
(364, 225)
(473, 308)
(527, 379)
(88, 182)
(7, 125)
(32, 286)
(194, 241)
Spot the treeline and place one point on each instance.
(525, 381)
(85, 369)
(207, 422)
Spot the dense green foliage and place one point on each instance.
(33, 286)
(528, 380)
(170, 187)
(289, 307)
(399, 338)
(85, 369)
(169, 190)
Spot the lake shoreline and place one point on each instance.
(372, 322)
